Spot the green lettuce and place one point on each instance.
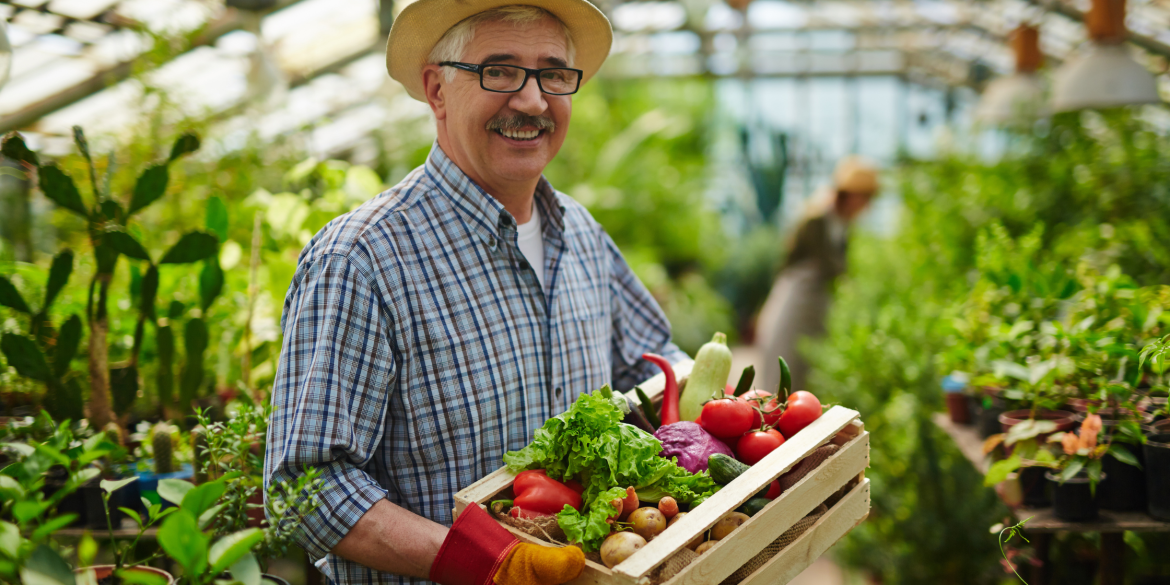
(589, 443)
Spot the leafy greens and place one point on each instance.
(589, 443)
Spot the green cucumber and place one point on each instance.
(753, 506)
(724, 469)
(708, 377)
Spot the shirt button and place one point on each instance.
(523, 265)
(558, 392)
(492, 242)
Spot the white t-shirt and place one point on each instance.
(530, 238)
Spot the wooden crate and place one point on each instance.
(840, 479)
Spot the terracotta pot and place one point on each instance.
(1064, 420)
(103, 571)
(1010, 491)
(957, 408)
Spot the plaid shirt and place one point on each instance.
(419, 347)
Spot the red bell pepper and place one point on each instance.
(538, 494)
(669, 392)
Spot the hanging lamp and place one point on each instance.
(1104, 75)
(5, 53)
(1019, 97)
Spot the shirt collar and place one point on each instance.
(485, 212)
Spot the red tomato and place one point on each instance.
(773, 490)
(749, 397)
(729, 390)
(755, 445)
(727, 417)
(803, 408)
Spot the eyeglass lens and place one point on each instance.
(506, 78)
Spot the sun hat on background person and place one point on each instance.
(856, 174)
(421, 25)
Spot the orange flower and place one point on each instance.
(1089, 430)
(1069, 442)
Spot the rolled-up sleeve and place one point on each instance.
(333, 385)
(639, 325)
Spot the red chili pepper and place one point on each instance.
(670, 392)
(537, 493)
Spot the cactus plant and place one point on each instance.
(162, 443)
(106, 220)
(200, 456)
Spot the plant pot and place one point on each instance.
(256, 515)
(1010, 491)
(74, 503)
(106, 571)
(1157, 452)
(1073, 500)
(1035, 487)
(270, 578)
(957, 408)
(1126, 488)
(1064, 420)
(990, 408)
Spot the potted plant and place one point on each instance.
(1076, 474)
(1157, 444)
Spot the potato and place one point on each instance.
(619, 546)
(697, 540)
(648, 522)
(705, 547)
(727, 524)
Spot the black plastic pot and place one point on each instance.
(988, 419)
(1125, 490)
(1157, 452)
(1073, 500)
(1035, 487)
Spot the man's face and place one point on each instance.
(480, 139)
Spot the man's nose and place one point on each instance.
(529, 100)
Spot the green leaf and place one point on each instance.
(15, 149)
(174, 490)
(192, 247)
(1000, 470)
(1028, 429)
(231, 548)
(198, 500)
(217, 218)
(53, 525)
(24, 355)
(1124, 455)
(210, 282)
(81, 142)
(26, 510)
(209, 516)
(123, 387)
(181, 538)
(87, 549)
(9, 540)
(126, 245)
(148, 291)
(185, 144)
(133, 514)
(59, 273)
(59, 188)
(151, 185)
(1072, 470)
(10, 297)
(246, 570)
(135, 577)
(110, 486)
(68, 340)
(46, 567)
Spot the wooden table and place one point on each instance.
(1044, 523)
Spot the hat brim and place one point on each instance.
(420, 26)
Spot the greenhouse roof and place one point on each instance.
(74, 60)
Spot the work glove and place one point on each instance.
(478, 551)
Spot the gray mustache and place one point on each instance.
(518, 121)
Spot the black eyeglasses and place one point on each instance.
(512, 78)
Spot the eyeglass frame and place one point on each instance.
(528, 73)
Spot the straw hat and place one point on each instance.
(421, 24)
(856, 174)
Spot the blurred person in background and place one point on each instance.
(800, 297)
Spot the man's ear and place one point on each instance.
(434, 85)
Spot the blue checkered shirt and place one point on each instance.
(419, 347)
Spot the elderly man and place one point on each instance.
(440, 324)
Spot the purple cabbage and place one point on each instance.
(691, 444)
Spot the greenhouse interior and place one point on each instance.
(823, 292)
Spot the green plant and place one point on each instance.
(28, 354)
(1012, 531)
(107, 220)
(162, 443)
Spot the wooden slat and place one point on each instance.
(747, 485)
(796, 557)
(776, 518)
(485, 489)
(655, 385)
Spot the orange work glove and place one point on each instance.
(478, 551)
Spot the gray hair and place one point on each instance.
(454, 42)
